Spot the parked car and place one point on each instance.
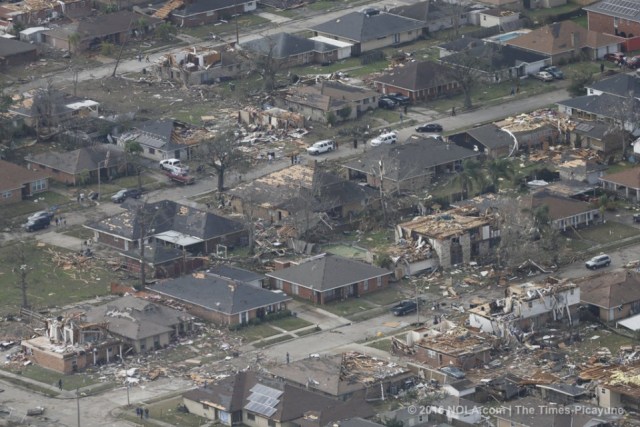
(387, 103)
(183, 178)
(554, 71)
(385, 138)
(37, 224)
(398, 98)
(636, 217)
(322, 147)
(598, 262)
(40, 214)
(454, 372)
(634, 62)
(405, 307)
(544, 76)
(430, 127)
(614, 57)
(168, 164)
(125, 193)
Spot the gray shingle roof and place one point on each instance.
(491, 57)
(135, 318)
(604, 105)
(284, 45)
(235, 273)
(202, 6)
(218, 294)
(461, 43)
(620, 84)
(411, 159)
(360, 27)
(417, 76)
(10, 47)
(167, 215)
(491, 136)
(628, 9)
(328, 272)
(79, 160)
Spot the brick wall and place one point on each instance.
(14, 196)
(57, 175)
(605, 24)
(114, 242)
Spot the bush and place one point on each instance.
(331, 118)
(384, 261)
(107, 48)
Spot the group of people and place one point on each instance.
(142, 412)
(61, 221)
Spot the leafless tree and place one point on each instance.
(625, 121)
(456, 9)
(21, 270)
(222, 154)
(265, 64)
(465, 69)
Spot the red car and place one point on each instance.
(614, 57)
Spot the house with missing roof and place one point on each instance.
(90, 335)
(566, 40)
(256, 401)
(18, 183)
(625, 183)
(115, 28)
(563, 212)
(420, 81)
(80, 166)
(221, 300)
(328, 99)
(325, 278)
(411, 166)
(611, 296)
(164, 139)
(289, 50)
(167, 223)
(527, 307)
(298, 195)
(446, 344)
(454, 237)
(345, 376)
(370, 31)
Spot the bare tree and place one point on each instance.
(456, 9)
(21, 270)
(625, 121)
(265, 64)
(222, 154)
(465, 69)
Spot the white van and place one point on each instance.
(385, 138)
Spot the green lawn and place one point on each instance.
(48, 284)
(41, 202)
(348, 307)
(384, 297)
(48, 377)
(264, 343)
(540, 15)
(604, 233)
(79, 232)
(290, 323)
(384, 345)
(255, 332)
(164, 411)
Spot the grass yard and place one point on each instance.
(264, 343)
(349, 307)
(255, 332)
(79, 232)
(372, 240)
(307, 332)
(384, 297)
(48, 285)
(165, 411)
(48, 377)
(540, 15)
(603, 338)
(384, 345)
(604, 233)
(290, 323)
(43, 201)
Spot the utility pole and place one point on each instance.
(122, 49)
(78, 403)
(417, 304)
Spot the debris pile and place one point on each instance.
(359, 368)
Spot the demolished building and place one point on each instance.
(455, 237)
(91, 335)
(527, 307)
(446, 344)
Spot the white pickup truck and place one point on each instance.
(173, 165)
(322, 147)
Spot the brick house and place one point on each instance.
(30, 14)
(328, 278)
(161, 261)
(619, 17)
(171, 224)
(563, 212)
(626, 183)
(221, 300)
(421, 81)
(18, 183)
(81, 165)
(446, 344)
(16, 53)
(611, 296)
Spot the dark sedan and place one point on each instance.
(429, 127)
(405, 307)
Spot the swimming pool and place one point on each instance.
(501, 38)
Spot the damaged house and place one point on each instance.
(271, 118)
(170, 224)
(563, 212)
(164, 139)
(325, 278)
(611, 296)
(446, 344)
(454, 237)
(201, 65)
(528, 307)
(345, 376)
(89, 335)
(300, 196)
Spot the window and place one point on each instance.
(530, 304)
(55, 171)
(39, 185)
(366, 285)
(251, 417)
(431, 354)
(6, 194)
(294, 289)
(143, 345)
(152, 150)
(271, 423)
(484, 17)
(156, 342)
(379, 281)
(616, 22)
(279, 283)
